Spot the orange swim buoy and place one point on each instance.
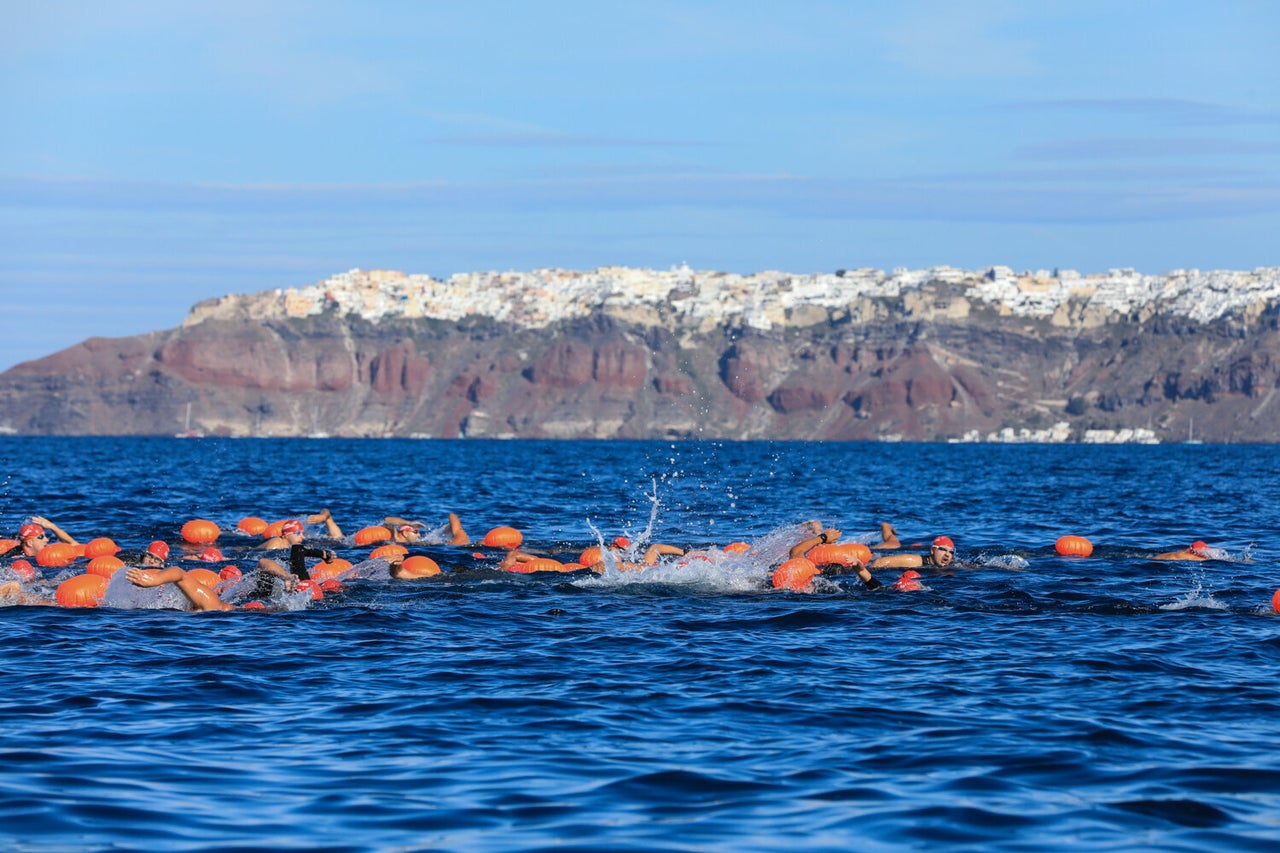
(252, 525)
(274, 529)
(1275, 601)
(538, 564)
(737, 548)
(796, 574)
(101, 547)
(200, 531)
(503, 537)
(59, 555)
(7, 545)
(1073, 546)
(328, 571)
(384, 552)
(842, 553)
(419, 566)
(81, 591)
(591, 556)
(104, 566)
(207, 577)
(369, 535)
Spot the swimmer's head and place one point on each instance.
(1200, 549)
(621, 542)
(292, 527)
(409, 533)
(943, 550)
(157, 550)
(31, 531)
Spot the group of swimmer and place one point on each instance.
(819, 552)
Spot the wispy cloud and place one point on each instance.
(954, 199)
(1175, 111)
(1145, 148)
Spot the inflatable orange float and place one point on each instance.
(329, 571)
(104, 566)
(840, 553)
(101, 547)
(207, 577)
(81, 591)
(591, 556)
(252, 525)
(59, 555)
(538, 564)
(737, 548)
(369, 535)
(385, 552)
(795, 574)
(503, 537)
(200, 531)
(419, 566)
(1073, 546)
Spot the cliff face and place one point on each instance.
(885, 372)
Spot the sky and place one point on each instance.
(155, 154)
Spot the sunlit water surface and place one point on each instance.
(1026, 701)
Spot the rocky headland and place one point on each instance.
(908, 355)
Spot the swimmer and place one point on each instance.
(942, 553)
(1196, 551)
(853, 566)
(13, 593)
(290, 535)
(651, 556)
(400, 530)
(202, 598)
(32, 538)
(269, 569)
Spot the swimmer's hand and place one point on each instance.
(330, 556)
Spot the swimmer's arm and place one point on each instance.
(57, 531)
(271, 567)
(802, 548)
(898, 561)
(391, 522)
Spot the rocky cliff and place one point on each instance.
(929, 362)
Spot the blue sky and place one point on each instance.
(155, 154)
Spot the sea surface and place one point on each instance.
(1024, 701)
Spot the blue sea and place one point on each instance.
(1024, 701)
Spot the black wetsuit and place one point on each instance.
(267, 582)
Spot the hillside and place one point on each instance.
(617, 353)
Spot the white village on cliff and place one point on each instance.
(701, 300)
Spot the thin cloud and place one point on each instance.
(1172, 110)
(360, 205)
(1144, 148)
(558, 140)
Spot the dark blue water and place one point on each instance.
(1024, 702)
